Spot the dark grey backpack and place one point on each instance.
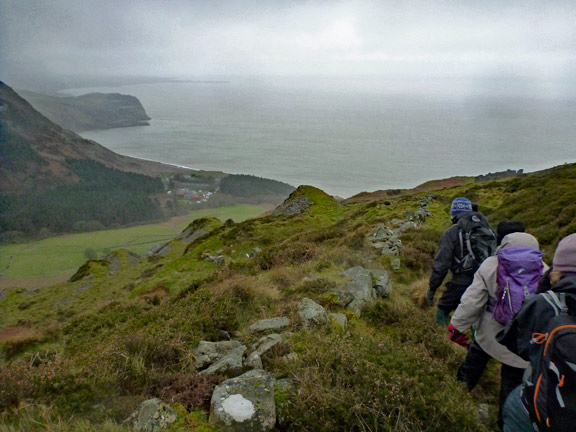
(477, 242)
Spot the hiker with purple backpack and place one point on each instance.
(543, 333)
(500, 286)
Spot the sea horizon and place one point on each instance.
(349, 136)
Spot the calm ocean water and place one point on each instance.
(346, 136)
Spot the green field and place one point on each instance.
(57, 258)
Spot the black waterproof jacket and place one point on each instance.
(534, 318)
(445, 259)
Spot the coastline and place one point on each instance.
(168, 164)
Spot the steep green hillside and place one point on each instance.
(82, 355)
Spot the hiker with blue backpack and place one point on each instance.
(500, 286)
(463, 247)
(543, 333)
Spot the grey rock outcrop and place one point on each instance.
(425, 200)
(115, 259)
(387, 240)
(381, 282)
(340, 320)
(364, 285)
(405, 225)
(311, 314)
(218, 259)
(151, 416)
(293, 206)
(263, 345)
(159, 250)
(190, 235)
(231, 364)
(269, 324)
(255, 251)
(208, 353)
(360, 286)
(244, 403)
(416, 217)
(498, 175)
(342, 297)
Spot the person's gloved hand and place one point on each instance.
(430, 297)
(457, 336)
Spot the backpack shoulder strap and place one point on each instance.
(558, 302)
(461, 239)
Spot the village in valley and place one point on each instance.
(191, 187)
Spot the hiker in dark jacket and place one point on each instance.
(446, 259)
(521, 337)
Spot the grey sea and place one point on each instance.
(346, 136)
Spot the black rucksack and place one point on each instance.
(551, 397)
(477, 242)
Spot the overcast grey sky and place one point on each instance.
(203, 38)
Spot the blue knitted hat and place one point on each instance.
(460, 205)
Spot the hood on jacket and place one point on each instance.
(518, 239)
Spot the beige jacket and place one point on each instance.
(472, 309)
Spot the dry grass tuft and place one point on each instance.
(416, 291)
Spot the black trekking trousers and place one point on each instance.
(451, 296)
(471, 370)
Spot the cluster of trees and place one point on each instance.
(104, 198)
(15, 150)
(241, 185)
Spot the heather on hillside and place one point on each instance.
(126, 328)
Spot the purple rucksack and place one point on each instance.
(519, 270)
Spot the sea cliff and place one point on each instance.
(90, 111)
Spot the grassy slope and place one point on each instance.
(58, 257)
(116, 337)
